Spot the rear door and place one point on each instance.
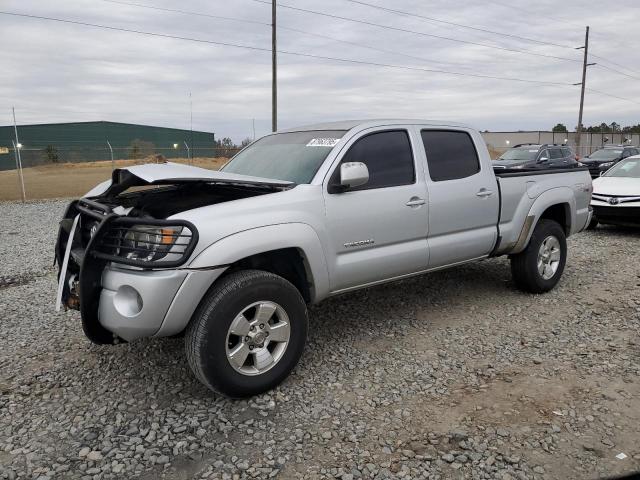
(377, 231)
(557, 158)
(463, 197)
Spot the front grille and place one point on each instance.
(620, 215)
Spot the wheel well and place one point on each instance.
(560, 213)
(289, 263)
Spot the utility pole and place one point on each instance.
(274, 70)
(583, 85)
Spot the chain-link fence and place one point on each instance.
(500, 142)
(56, 170)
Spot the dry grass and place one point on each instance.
(74, 179)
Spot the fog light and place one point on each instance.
(127, 301)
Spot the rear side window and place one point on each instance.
(450, 155)
(555, 153)
(387, 155)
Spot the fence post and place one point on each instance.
(16, 151)
(188, 153)
(113, 165)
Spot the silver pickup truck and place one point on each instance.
(230, 259)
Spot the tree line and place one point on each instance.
(613, 127)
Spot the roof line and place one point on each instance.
(103, 122)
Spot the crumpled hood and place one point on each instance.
(170, 173)
(175, 172)
(617, 186)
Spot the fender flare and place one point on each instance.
(554, 196)
(267, 238)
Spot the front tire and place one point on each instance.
(538, 268)
(248, 333)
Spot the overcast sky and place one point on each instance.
(54, 72)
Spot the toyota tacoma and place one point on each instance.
(230, 259)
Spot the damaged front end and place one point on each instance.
(102, 236)
(124, 231)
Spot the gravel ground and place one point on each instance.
(451, 375)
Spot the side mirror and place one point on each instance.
(353, 174)
(543, 159)
(601, 173)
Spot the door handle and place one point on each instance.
(415, 202)
(484, 192)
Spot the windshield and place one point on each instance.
(606, 154)
(294, 157)
(626, 168)
(519, 154)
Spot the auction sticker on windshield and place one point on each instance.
(323, 142)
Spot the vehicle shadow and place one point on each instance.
(616, 231)
(342, 321)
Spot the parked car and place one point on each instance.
(232, 258)
(616, 195)
(603, 159)
(533, 155)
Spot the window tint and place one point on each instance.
(450, 155)
(555, 153)
(544, 154)
(388, 157)
(567, 152)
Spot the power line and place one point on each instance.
(393, 52)
(534, 14)
(301, 54)
(284, 52)
(611, 95)
(187, 12)
(616, 71)
(369, 47)
(470, 27)
(280, 27)
(414, 32)
(614, 63)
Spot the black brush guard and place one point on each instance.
(93, 248)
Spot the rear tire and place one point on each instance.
(538, 267)
(593, 223)
(248, 333)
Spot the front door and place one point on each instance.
(379, 230)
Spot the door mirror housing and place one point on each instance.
(352, 174)
(543, 159)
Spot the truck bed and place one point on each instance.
(520, 190)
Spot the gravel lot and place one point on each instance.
(451, 375)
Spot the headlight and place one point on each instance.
(606, 164)
(146, 243)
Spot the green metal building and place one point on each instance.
(89, 142)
